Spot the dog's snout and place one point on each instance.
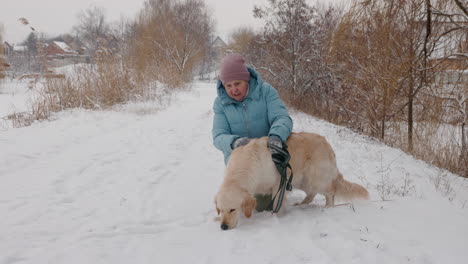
(224, 227)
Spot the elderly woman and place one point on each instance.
(247, 107)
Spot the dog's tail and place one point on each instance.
(349, 190)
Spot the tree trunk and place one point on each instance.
(463, 160)
(410, 112)
(384, 114)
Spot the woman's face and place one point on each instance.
(237, 90)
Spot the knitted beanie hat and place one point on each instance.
(233, 68)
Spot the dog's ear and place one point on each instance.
(248, 205)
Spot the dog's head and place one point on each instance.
(230, 204)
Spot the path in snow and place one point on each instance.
(123, 187)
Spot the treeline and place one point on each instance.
(154, 54)
(171, 39)
(3, 63)
(377, 67)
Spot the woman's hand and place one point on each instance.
(240, 142)
(275, 141)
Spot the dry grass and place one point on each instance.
(435, 142)
(98, 86)
(108, 84)
(445, 156)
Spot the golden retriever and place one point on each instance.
(250, 170)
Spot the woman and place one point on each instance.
(247, 107)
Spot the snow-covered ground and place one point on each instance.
(18, 95)
(72, 69)
(15, 96)
(136, 185)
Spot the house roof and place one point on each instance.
(63, 46)
(8, 44)
(218, 42)
(20, 48)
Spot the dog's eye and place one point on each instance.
(232, 210)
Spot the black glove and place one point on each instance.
(279, 152)
(280, 156)
(240, 142)
(274, 142)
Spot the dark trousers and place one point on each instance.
(263, 202)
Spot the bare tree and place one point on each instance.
(452, 88)
(389, 55)
(457, 99)
(122, 34)
(241, 41)
(3, 62)
(291, 52)
(172, 37)
(382, 46)
(288, 43)
(92, 28)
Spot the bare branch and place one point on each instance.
(462, 8)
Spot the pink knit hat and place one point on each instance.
(233, 68)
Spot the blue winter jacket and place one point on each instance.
(261, 113)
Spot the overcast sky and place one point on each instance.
(55, 17)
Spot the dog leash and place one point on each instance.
(281, 160)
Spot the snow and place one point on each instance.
(133, 186)
(18, 94)
(72, 71)
(15, 97)
(20, 48)
(63, 46)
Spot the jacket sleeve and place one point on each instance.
(280, 122)
(222, 137)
